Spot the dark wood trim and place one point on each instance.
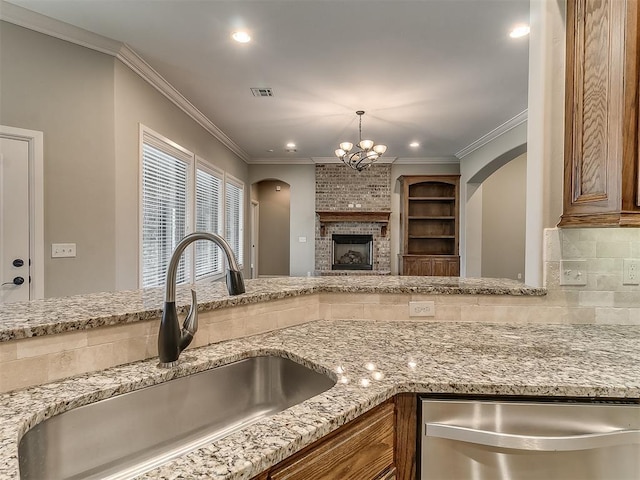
(631, 175)
(617, 219)
(361, 449)
(354, 216)
(405, 451)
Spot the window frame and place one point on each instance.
(209, 169)
(240, 185)
(194, 163)
(168, 147)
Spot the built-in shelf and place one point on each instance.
(429, 225)
(432, 236)
(351, 216)
(433, 199)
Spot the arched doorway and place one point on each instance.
(496, 216)
(270, 245)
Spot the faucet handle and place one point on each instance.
(190, 325)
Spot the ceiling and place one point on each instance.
(439, 72)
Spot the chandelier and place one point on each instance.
(364, 155)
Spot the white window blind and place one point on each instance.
(164, 210)
(208, 219)
(234, 218)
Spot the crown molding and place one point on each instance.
(70, 33)
(427, 161)
(55, 28)
(493, 134)
(280, 161)
(136, 63)
(319, 160)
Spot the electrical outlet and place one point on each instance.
(60, 250)
(631, 271)
(422, 309)
(573, 272)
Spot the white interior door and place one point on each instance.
(14, 220)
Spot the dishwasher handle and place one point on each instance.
(533, 442)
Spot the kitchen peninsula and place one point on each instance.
(371, 358)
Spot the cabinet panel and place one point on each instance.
(362, 451)
(601, 114)
(427, 265)
(446, 267)
(416, 266)
(406, 435)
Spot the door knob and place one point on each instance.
(18, 281)
(18, 262)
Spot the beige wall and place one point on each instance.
(89, 106)
(273, 256)
(503, 221)
(137, 102)
(302, 182)
(475, 168)
(66, 91)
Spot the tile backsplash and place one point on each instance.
(601, 254)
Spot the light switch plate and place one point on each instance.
(61, 250)
(573, 272)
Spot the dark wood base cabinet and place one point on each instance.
(379, 445)
(427, 265)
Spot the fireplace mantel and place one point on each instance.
(354, 216)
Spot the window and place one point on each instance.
(165, 174)
(208, 219)
(182, 194)
(234, 217)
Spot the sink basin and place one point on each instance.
(124, 436)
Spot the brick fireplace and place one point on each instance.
(353, 203)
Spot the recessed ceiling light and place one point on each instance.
(414, 144)
(241, 36)
(291, 145)
(519, 31)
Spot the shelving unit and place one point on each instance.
(429, 225)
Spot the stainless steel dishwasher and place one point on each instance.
(529, 440)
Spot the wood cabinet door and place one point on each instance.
(601, 114)
(419, 266)
(446, 267)
(362, 451)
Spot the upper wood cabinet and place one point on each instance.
(601, 175)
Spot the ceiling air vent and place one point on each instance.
(262, 92)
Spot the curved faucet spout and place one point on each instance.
(171, 339)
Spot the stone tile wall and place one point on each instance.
(604, 298)
(338, 186)
(33, 361)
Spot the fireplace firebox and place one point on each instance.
(352, 252)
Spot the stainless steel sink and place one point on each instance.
(124, 436)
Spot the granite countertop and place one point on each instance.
(371, 362)
(57, 315)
